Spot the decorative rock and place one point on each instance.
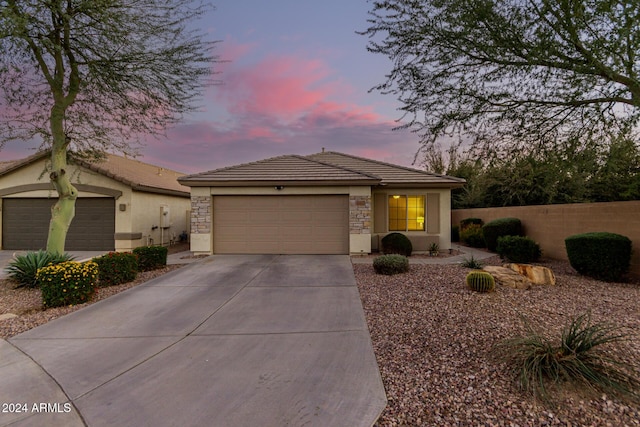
(507, 277)
(536, 274)
(7, 316)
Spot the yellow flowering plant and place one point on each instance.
(67, 283)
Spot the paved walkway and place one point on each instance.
(262, 340)
(465, 254)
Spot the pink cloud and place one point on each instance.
(286, 88)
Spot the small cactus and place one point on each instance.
(481, 281)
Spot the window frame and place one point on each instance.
(407, 218)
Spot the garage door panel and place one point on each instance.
(259, 219)
(281, 224)
(328, 204)
(263, 233)
(327, 233)
(324, 220)
(292, 218)
(25, 224)
(295, 234)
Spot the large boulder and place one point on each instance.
(507, 277)
(536, 274)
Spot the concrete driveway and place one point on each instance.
(262, 340)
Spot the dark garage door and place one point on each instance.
(25, 224)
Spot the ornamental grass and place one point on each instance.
(582, 357)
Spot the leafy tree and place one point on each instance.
(514, 73)
(573, 173)
(87, 75)
(618, 174)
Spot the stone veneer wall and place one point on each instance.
(201, 214)
(360, 214)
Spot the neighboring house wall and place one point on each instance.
(141, 210)
(549, 225)
(437, 218)
(146, 214)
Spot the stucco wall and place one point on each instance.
(144, 214)
(549, 225)
(421, 239)
(141, 210)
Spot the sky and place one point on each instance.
(295, 80)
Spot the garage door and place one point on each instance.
(25, 224)
(281, 224)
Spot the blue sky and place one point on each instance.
(296, 80)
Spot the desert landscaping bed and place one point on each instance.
(433, 340)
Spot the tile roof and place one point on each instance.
(324, 168)
(138, 175)
(388, 173)
(283, 169)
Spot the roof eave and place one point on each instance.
(449, 185)
(298, 183)
(164, 191)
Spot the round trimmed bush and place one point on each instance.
(518, 249)
(469, 221)
(396, 243)
(498, 228)
(472, 236)
(601, 255)
(391, 264)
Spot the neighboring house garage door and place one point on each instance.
(281, 224)
(25, 224)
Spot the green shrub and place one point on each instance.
(115, 268)
(396, 243)
(455, 233)
(469, 221)
(472, 236)
(391, 264)
(480, 281)
(151, 257)
(518, 249)
(577, 358)
(604, 256)
(23, 268)
(67, 283)
(498, 228)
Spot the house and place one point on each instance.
(122, 204)
(325, 203)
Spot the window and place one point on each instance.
(406, 213)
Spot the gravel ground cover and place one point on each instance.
(433, 340)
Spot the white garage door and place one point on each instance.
(281, 224)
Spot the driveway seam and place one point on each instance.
(69, 399)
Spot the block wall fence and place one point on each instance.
(549, 225)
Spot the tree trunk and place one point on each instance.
(64, 210)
